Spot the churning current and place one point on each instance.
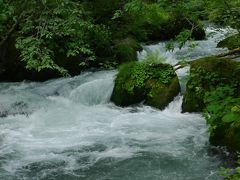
(67, 129)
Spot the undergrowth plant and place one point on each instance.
(149, 67)
(222, 107)
(231, 173)
(154, 57)
(139, 72)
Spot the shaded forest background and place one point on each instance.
(42, 39)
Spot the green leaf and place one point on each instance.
(230, 117)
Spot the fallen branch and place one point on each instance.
(229, 53)
(180, 65)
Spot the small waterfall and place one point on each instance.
(176, 105)
(205, 47)
(94, 92)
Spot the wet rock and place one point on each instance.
(206, 74)
(155, 84)
(231, 42)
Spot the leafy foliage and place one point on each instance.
(138, 16)
(6, 11)
(56, 27)
(231, 174)
(222, 107)
(139, 72)
(48, 31)
(180, 40)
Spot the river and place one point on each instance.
(67, 129)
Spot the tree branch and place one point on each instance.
(180, 65)
(10, 31)
(231, 52)
(8, 34)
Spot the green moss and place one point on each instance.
(161, 94)
(154, 83)
(205, 75)
(231, 42)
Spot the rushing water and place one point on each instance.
(68, 129)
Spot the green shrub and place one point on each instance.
(222, 108)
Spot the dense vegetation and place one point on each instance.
(69, 35)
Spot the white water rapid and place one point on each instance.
(67, 129)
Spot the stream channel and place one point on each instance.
(67, 129)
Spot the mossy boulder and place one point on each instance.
(214, 88)
(126, 49)
(231, 42)
(155, 84)
(206, 74)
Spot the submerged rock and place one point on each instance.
(231, 42)
(154, 83)
(205, 75)
(15, 109)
